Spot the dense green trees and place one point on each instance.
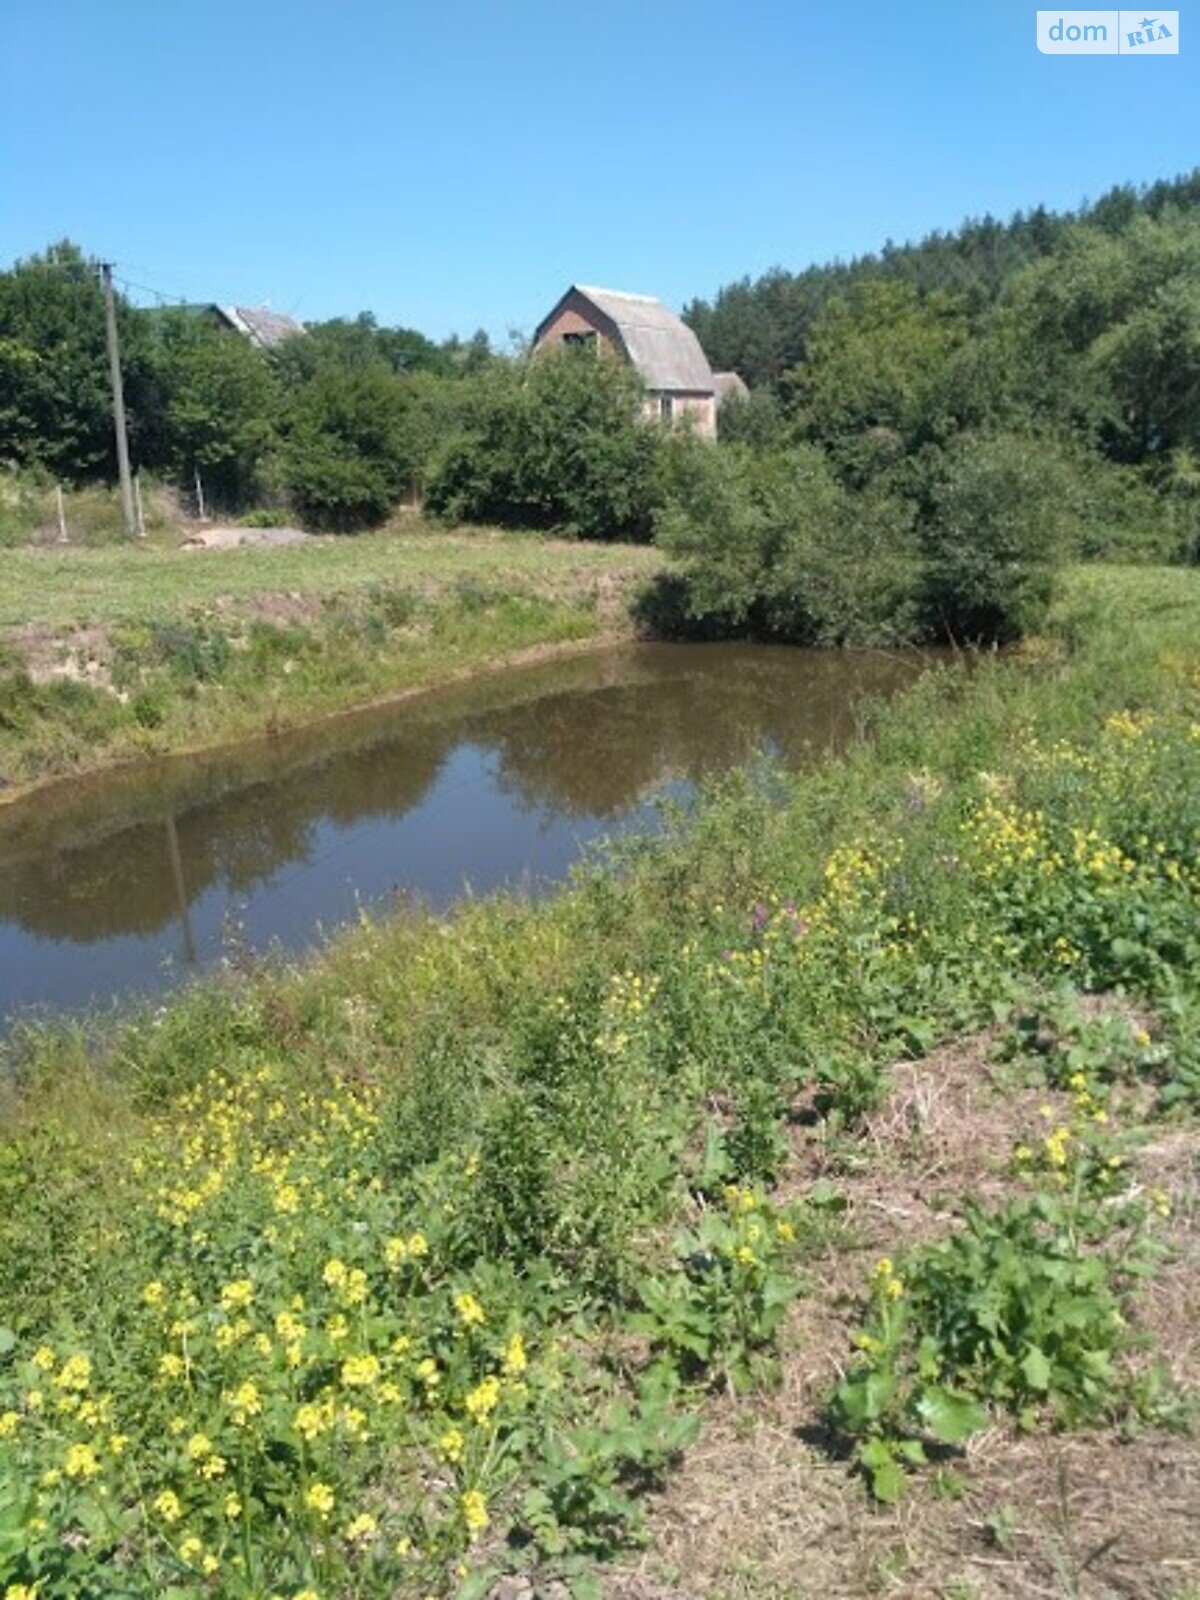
(219, 406)
(55, 403)
(340, 423)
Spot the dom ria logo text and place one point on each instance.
(1108, 33)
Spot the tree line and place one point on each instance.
(926, 427)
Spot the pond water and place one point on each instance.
(127, 883)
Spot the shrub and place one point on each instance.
(347, 460)
(556, 443)
(774, 546)
(993, 538)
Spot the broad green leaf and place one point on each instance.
(950, 1417)
(1036, 1369)
(887, 1483)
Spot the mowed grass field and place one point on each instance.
(64, 587)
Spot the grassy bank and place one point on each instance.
(829, 1169)
(113, 653)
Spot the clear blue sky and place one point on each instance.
(451, 164)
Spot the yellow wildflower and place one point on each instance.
(451, 1444)
(81, 1462)
(167, 1505)
(236, 1296)
(289, 1327)
(474, 1510)
(362, 1527)
(471, 1314)
(154, 1294)
(360, 1371)
(318, 1497)
(311, 1421)
(76, 1373)
(483, 1400)
(515, 1359)
(246, 1402)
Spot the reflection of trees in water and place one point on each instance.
(598, 753)
(593, 745)
(125, 883)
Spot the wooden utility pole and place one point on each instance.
(118, 394)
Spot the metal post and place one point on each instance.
(62, 514)
(118, 397)
(200, 511)
(137, 497)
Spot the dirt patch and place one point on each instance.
(83, 655)
(281, 610)
(231, 538)
(763, 1509)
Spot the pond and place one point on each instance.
(126, 883)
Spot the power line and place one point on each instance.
(160, 295)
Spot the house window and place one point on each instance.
(665, 407)
(579, 340)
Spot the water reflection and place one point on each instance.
(118, 882)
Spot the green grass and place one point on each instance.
(67, 588)
(446, 1236)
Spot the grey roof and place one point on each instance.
(664, 350)
(262, 325)
(728, 386)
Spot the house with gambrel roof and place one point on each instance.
(660, 347)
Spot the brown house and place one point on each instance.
(664, 351)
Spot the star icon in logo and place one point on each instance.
(1147, 22)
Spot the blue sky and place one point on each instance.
(455, 163)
